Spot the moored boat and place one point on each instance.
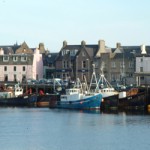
(132, 99)
(109, 94)
(77, 98)
(45, 100)
(15, 97)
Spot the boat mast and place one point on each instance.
(93, 79)
(102, 80)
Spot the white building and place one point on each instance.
(143, 67)
(20, 65)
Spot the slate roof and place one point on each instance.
(91, 50)
(12, 49)
(49, 59)
(9, 49)
(130, 51)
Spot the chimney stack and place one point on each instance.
(64, 43)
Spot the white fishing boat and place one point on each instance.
(77, 98)
(102, 85)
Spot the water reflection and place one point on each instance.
(58, 129)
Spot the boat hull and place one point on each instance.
(29, 100)
(44, 100)
(138, 101)
(90, 103)
(110, 102)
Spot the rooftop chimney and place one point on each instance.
(101, 45)
(118, 45)
(83, 43)
(64, 43)
(143, 51)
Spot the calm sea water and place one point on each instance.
(53, 129)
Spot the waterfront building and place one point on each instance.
(142, 71)
(19, 62)
(121, 64)
(75, 61)
(49, 65)
(118, 64)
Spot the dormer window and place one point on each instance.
(5, 58)
(62, 53)
(65, 51)
(15, 58)
(23, 58)
(73, 52)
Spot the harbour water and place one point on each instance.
(54, 129)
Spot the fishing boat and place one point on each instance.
(14, 97)
(44, 99)
(132, 99)
(109, 94)
(77, 98)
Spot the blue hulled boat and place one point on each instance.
(77, 98)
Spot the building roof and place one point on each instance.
(49, 58)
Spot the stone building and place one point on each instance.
(75, 61)
(118, 64)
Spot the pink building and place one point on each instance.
(21, 64)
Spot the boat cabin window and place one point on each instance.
(64, 97)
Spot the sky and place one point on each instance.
(53, 21)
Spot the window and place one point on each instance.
(5, 58)
(141, 69)
(5, 77)
(23, 78)
(5, 68)
(15, 68)
(113, 64)
(122, 65)
(15, 58)
(24, 58)
(15, 77)
(84, 64)
(23, 68)
(83, 76)
(67, 64)
(73, 52)
(141, 59)
(64, 64)
(131, 64)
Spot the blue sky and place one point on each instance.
(53, 21)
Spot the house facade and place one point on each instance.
(118, 64)
(19, 62)
(75, 61)
(142, 71)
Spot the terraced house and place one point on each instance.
(118, 64)
(19, 62)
